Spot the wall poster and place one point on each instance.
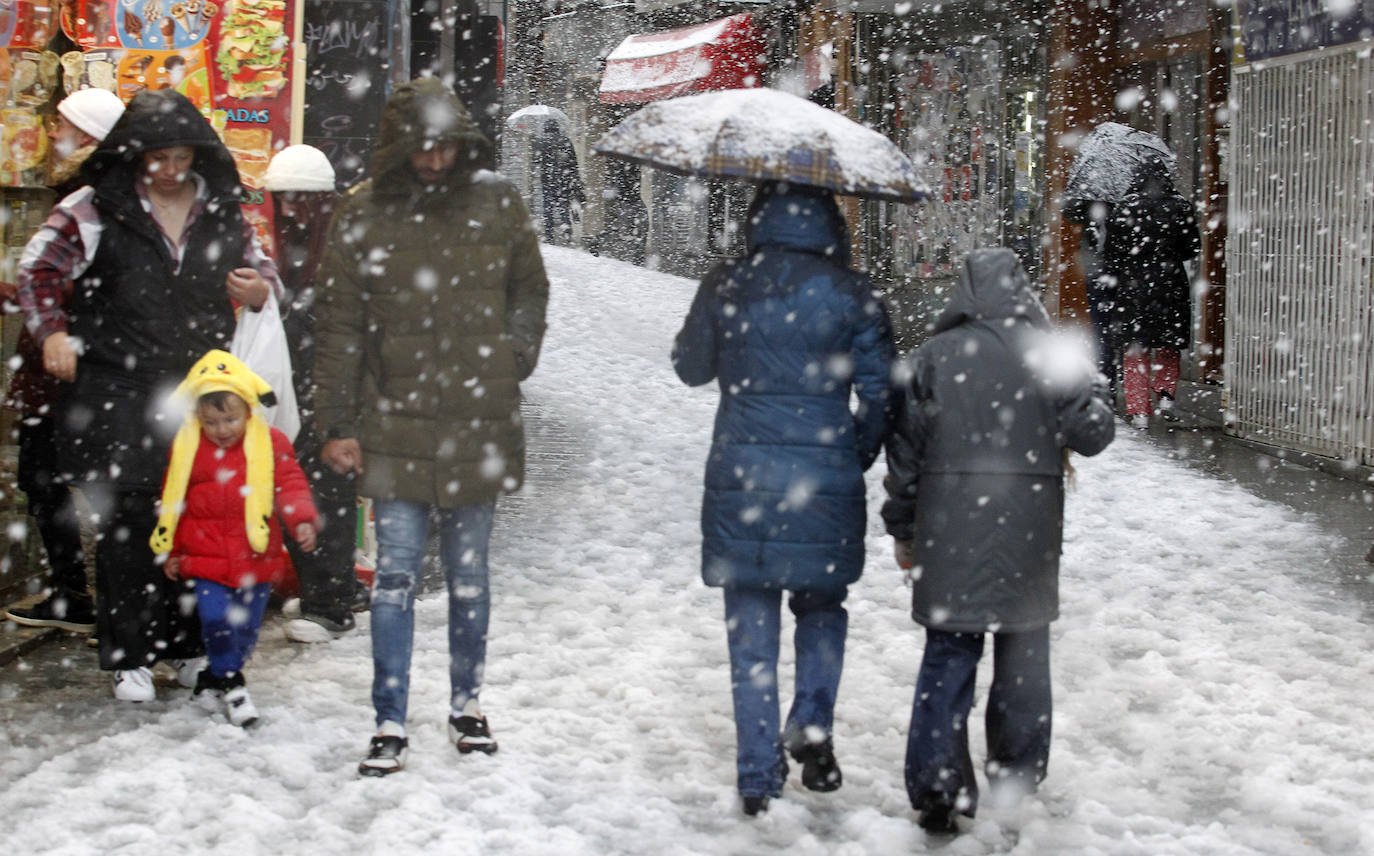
(231, 58)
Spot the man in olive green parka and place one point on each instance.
(431, 313)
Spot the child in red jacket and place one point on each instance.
(229, 473)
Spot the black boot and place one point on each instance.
(754, 806)
(820, 771)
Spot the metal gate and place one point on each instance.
(1299, 297)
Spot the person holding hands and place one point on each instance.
(230, 473)
(127, 284)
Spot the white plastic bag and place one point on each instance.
(260, 341)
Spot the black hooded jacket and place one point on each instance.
(143, 320)
(1149, 237)
(975, 463)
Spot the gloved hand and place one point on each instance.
(905, 552)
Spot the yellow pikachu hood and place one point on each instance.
(221, 371)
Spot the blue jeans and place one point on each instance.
(939, 770)
(229, 623)
(402, 539)
(753, 625)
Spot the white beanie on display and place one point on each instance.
(93, 111)
(303, 168)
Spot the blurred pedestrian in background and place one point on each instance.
(81, 121)
(1150, 236)
(302, 183)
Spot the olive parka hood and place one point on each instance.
(419, 115)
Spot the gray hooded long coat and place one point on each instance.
(431, 313)
(975, 464)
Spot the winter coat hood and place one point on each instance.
(159, 119)
(992, 286)
(800, 218)
(418, 115)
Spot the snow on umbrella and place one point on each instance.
(764, 134)
(1107, 160)
(534, 119)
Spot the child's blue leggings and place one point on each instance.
(229, 623)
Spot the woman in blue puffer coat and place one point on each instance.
(787, 332)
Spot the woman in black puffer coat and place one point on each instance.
(1151, 234)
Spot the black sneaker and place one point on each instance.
(362, 597)
(471, 734)
(71, 612)
(939, 820)
(386, 754)
(754, 806)
(820, 772)
(209, 690)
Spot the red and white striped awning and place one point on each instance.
(723, 54)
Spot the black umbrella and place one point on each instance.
(1107, 161)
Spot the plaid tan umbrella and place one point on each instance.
(764, 134)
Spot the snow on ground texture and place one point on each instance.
(1209, 700)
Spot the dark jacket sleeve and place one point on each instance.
(1085, 419)
(1187, 241)
(527, 289)
(906, 448)
(340, 325)
(873, 353)
(694, 349)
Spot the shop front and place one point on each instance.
(232, 60)
(1299, 312)
(964, 96)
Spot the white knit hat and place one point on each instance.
(94, 111)
(299, 168)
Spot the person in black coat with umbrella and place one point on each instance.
(1151, 234)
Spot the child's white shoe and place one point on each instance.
(238, 706)
(188, 670)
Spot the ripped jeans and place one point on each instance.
(402, 539)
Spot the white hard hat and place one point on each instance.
(94, 111)
(299, 168)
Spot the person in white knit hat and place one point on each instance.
(301, 181)
(82, 120)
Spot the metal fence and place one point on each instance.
(1299, 296)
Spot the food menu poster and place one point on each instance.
(231, 58)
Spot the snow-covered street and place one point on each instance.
(1208, 698)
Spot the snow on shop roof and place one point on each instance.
(721, 54)
(642, 45)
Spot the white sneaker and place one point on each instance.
(1140, 420)
(317, 628)
(134, 684)
(307, 631)
(187, 670)
(238, 706)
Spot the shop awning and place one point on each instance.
(723, 54)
